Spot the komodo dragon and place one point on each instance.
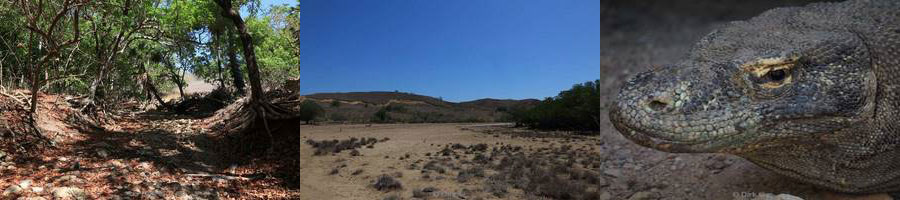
(809, 92)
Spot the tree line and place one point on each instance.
(118, 50)
(578, 108)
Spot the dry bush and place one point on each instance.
(334, 171)
(481, 159)
(326, 147)
(464, 175)
(434, 166)
(424, 193)
(387, 183)
(479, 147)
(446, 152)
(496, 186)
(547, 173)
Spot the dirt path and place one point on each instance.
(138, 156)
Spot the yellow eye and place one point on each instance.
(771, 72)
(776, 78)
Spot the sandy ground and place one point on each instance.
(627, 170)
(414, 139)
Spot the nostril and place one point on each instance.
(657, 105)
(660, 102)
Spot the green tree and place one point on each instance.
(381, 115)
(43, 27)
(335, 104)
(578, 108)
(119, 49)
(309, 110)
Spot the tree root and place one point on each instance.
(269, 132)
(32, 123)
(244, 119)
(245, 114)
(19, 131)
(13, 98)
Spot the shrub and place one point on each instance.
(381, 116)
(387, 183)
(467, 174)
(325, 147)
(496, 187)
(418, 193)
(335, 103)
(334, 171)
(480, 158)
(309, 110)
(446, 151)
(434, 166)
(479, 147)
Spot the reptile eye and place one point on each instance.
(776, 75)
(771, 73)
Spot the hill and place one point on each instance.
(365, 107)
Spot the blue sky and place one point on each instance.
(265, 4)
(460, 50)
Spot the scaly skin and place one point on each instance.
(809, 92)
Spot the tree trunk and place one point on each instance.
(148, 83)
(176, 78)
(247, 45)
(236, 74)
(36, 81)
(258, 108)
(96, 93)
(179, 83)
(34, 87)
(218, 55)
(297, 41)
(1, 73)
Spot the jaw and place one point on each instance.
(722, 134)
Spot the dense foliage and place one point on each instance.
(309, 110)
(116, 50)
(578, 108)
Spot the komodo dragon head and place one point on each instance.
(750, 85)
(809, 92)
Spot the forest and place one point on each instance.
(576, 109)
(113, 50)
(84, 77)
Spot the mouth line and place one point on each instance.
(658, 138)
